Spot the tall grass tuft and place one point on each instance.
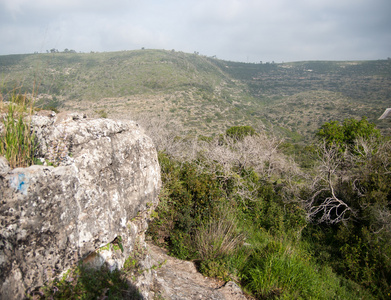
(219, 237)
(17, 141)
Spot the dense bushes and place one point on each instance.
(354, 203)
(191, 200)
(345, 135)
(352, 198)
(247, 213)
(253, 241)
(239, 132)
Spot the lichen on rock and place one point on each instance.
(105, 173)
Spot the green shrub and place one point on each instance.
(189, 199)
(181, 246)
(102, 113)
(239, 132)
(358, 248)
(215, 268)
(344, 135)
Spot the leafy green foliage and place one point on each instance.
(216, 268)
(344, 135)
(191, 200)
(355, 253)
(239, 132)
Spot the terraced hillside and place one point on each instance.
(204, 94)
(302, 96)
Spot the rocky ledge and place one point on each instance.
(97, 176)
(176, 279)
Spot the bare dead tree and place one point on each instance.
(224, 156)
(331, 209)
(369, 151)
(338, 171)
(257, 152)
(374, 158)
(383, 221)
(165, 133)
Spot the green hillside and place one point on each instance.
(205, 94)
(304, 220)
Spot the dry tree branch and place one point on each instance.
(383, 220)
(331, 209)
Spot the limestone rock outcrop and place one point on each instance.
(176, 279)
(98, 176)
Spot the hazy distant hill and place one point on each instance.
(206, 94)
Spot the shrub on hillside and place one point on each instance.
(350, 195)
(239, 132)
(266, 193)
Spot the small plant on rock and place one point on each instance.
(17, 141)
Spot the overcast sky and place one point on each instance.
(238, 30)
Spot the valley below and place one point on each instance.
(204, 95)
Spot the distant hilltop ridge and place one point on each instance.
(206, 95)
(386, 114)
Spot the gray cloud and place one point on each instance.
(241, 30)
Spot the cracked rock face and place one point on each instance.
(106, 173)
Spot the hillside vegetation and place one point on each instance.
(204, 94)
(276, 176)
(245, 211)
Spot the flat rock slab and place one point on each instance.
(177, 279)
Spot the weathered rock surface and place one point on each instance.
(176, 279)
(106, 174)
